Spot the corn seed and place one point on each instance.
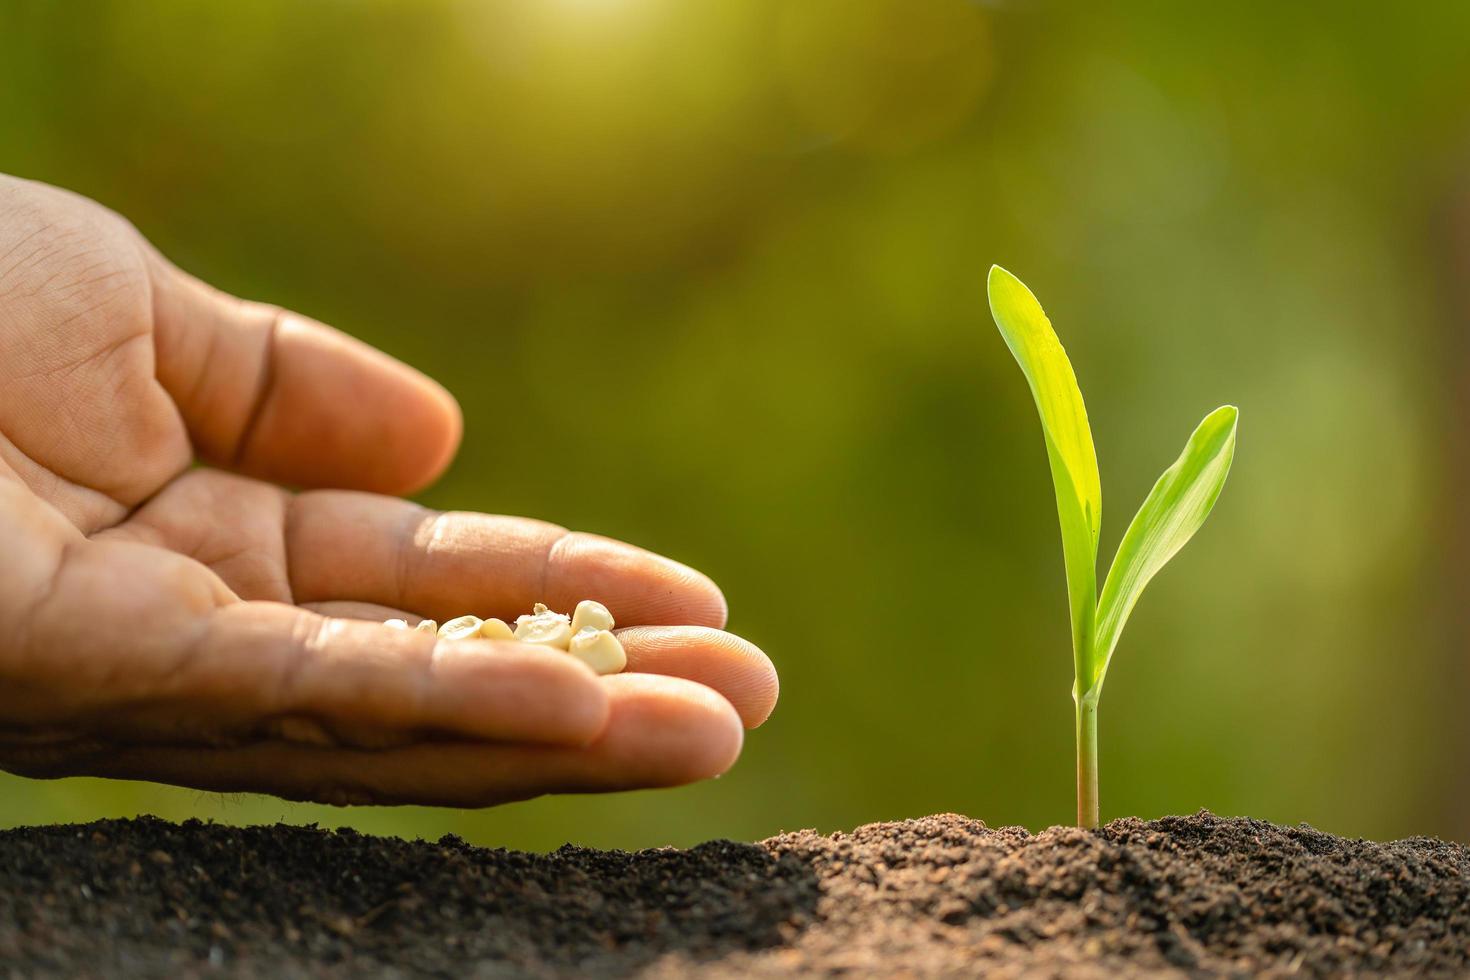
(461, 628)
(496, 629)
(599, 650)
(591, 615)
(544, 628)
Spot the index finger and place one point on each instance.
(277, 395)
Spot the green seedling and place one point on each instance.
(1175, 508)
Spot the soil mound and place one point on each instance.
(940, 896)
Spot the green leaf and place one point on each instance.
(1029, 335)
(1173, 511)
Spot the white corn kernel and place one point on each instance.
(544, 628)
(496, 629)
(599, 650)
(461, 628)
(591, 615)
(397, 624)
(427, 626)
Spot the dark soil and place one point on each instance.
(940, 896)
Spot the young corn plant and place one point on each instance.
(1175, 508)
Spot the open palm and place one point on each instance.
(207, 627)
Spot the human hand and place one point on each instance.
(206, 627)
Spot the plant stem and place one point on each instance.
(1087, 810)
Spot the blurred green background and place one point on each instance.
(730, 256)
